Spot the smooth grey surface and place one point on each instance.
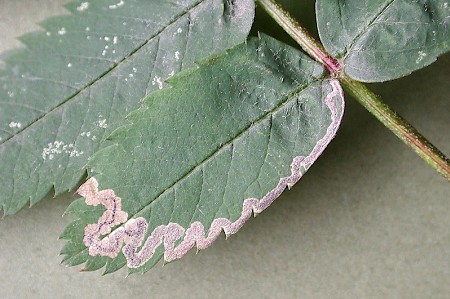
(369, 220)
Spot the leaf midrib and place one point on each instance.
(366, 28)
(111, 69)
(287, 100)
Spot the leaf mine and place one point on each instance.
(219, 144)
(138, 251)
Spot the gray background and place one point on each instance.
(369, 220)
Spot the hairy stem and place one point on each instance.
(308, 43)
(400, 127)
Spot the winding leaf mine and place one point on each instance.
(134, 231)
(222, 142)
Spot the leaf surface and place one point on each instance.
(73, 83)
(222, 142)
(380, 40)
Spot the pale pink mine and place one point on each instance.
(133, 232)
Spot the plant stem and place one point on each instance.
(308, 43)
(407, 133)
(401, 128)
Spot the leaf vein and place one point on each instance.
(366, 28)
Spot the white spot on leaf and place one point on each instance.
(179, 30)
(157, 80)
(87, 134)
(119, 4)
(83, 6)
(421, 56)
(59, 148)
(102, 123)
(62, 31)
(13, 125)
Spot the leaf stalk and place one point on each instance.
(308, 43)
(386, 115)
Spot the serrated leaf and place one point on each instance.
(75, 81)
(381, 40)
(218, 145)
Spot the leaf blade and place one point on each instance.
(384, 39)
(134, 52)
(243, 132)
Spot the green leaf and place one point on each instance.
(381, 40)
(241, 127)
(75, 81)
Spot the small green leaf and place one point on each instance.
(222, 142)
(75, 81)
(381, 40)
